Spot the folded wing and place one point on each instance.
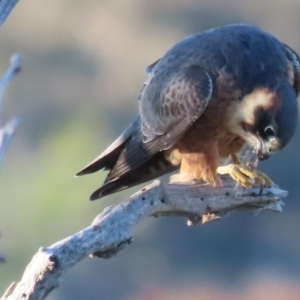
(169, 103)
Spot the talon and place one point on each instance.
(239, 173)
(245, 176)
(267, 180)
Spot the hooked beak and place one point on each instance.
(261, 149)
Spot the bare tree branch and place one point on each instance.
(6, 133)
(6, 6)
(111, 231)
(8, 129)
(13, 69)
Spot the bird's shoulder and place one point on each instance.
(250, 54)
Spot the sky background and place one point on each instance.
(83, 67)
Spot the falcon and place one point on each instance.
(207, 98)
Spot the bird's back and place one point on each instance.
(249, 53)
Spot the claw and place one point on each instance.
(245, 176)
(267, 181)
(239, 173)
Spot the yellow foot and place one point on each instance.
(266, 180)
(245, 176)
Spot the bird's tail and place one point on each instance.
(156, 166)
(107, 158)
(129, 161)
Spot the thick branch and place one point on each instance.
(111, 231)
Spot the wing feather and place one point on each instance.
(171, 101)
(108, 157)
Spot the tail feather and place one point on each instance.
(107, 159)
(130, 162)
(153, 168)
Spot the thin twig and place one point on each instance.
(8, 129)
(6, 6)
(13, 69)
(111, 231)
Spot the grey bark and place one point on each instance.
(111, 231)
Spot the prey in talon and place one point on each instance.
(204, 100)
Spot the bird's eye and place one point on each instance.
(270, 133)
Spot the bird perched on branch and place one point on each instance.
(208, 97)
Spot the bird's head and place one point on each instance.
(272, 118)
